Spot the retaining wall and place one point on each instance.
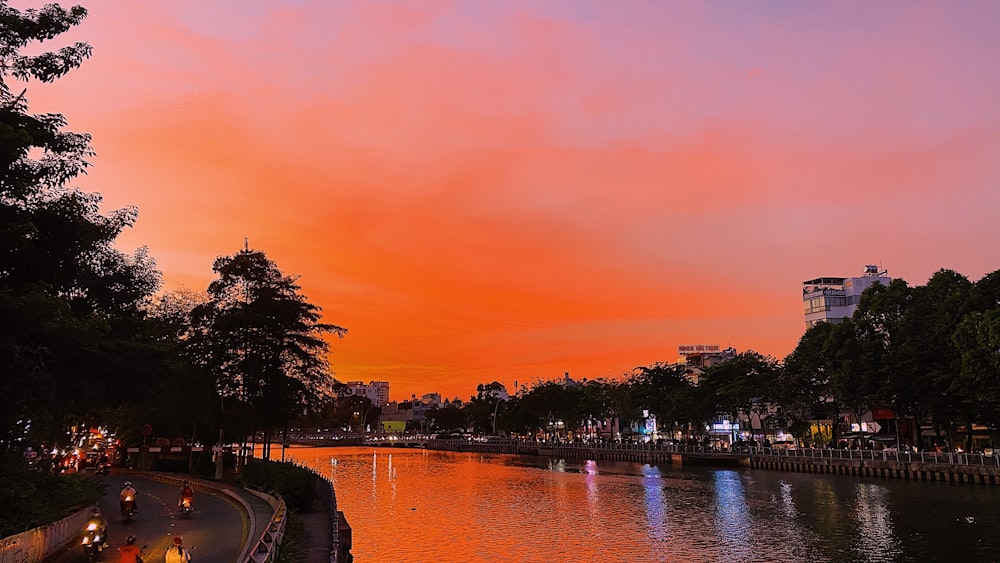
(972, 474)
(951, 468)
(33, 546)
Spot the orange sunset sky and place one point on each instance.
(509, 190)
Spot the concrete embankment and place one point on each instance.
(981, 474)
(36, 544)
(951, 468)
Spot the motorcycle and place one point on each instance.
(186, 507)
(103, 470)
(128, 507)
(93, 543)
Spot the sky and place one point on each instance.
(511, 191)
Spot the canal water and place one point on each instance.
(423, 506)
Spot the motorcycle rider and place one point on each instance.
(129, 491)
(129, 553)
(103, 464)
(186, 492)
(177, 553)
(99, 523)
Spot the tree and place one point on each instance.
(977, 340)
(670, 394)
(75, 299)
(548, 406)
(743, 384)
(262, 342)
(805, 386)
(905, 335)
(449, 419)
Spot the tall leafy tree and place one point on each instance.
(70, 300)
(805, 386)
(670, 395)
(262, 341)
(743, 384)
(977, 340)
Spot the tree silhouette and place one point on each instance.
(262, 342)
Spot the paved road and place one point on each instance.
(213, 531)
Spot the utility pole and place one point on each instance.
(495, 408)
(219, 454)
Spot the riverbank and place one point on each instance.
(920, 466)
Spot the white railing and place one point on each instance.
(940, 458)
(265, 547)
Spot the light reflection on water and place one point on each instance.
(419, 506)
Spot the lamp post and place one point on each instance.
(495, 408)
(645, 422)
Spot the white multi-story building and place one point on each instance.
(495, 390)
(834, 299)
(376, 391)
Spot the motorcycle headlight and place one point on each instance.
(128, 499)
(91, 527)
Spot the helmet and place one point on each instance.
(186, 482)
(95, 511)
(178, 540)
(130, 540)
(128, 484)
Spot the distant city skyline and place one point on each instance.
(514, 190)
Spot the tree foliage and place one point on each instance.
(261, 340)
(69, 299)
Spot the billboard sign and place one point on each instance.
(686, 349)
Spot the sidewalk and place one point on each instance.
(259, 512)
(317, 529)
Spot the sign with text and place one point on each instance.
(698, 349)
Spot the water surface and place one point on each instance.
(428, 506)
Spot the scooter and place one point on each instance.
(128, 507)
(186, 507)
(93, 543)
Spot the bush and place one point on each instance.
(204, 466)
(33, 498)
(295, 484)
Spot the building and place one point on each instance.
(698, 357)
(495, 390)
(376, 391)
(834, 299)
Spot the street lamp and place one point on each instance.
(495, 408)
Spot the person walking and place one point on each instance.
(176, 553)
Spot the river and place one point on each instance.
(423, 506)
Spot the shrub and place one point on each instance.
(204, 466)
(295, 484)
(33, 498)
